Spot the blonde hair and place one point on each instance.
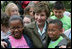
(8, 8)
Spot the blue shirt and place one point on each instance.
(69, 35)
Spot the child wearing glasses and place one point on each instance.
(17, 39)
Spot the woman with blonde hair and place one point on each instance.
(12, 9)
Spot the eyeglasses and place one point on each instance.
(18, 28)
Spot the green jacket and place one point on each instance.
(32, 32)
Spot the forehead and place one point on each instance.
(26, 19)
(41, 12)
(53, 26)
(57, 10)
(15, 22)
(14, 8)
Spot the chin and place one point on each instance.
(39, 24)
(17, 37)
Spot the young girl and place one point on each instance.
(17, 39)
(12, 9)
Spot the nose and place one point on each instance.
(16, 30)
(50, 32)
(39, 17)
(15, 13)
(57, 13)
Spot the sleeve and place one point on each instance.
(29, 41)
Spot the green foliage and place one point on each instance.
(4, 4)
(67, 5)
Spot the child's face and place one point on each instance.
(26, 21)
(53, 31)
(40, 18)
(4, 28)
(58, 13)
(31, 12)
(14, 11)
(16, 28)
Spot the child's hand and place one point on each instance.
(62, 46)
(3, 44)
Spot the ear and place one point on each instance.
(53, 10)
(64, 10)
(63, 30)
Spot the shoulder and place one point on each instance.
(66, 17)
(63, 42)
(28, 40)
(31, 25)
(52, 17)
(67, 32)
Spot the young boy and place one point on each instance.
(58, 10)
(54, 31)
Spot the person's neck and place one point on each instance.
(55, 39)
(61, 17)
(41, 27)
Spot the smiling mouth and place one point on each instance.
(16, 34)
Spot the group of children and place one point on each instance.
(18, 37)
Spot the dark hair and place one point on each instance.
(58, 5)
(27, 10)
(42, 6)
(4, 19)
(15, 17)
(28, 16)
(58, 22)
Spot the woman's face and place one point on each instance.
(14, 11)
(40, 18)
(31, 12)
(16, 28)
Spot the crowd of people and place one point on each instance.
(29, 24)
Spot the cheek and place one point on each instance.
(61, 13)
(21, 30)
(43, 19)
(12, 32)
(12, 13)
(36, 17)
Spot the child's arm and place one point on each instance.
(5, 43)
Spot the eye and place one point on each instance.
(60, 12)
(37, 14)
(31, 11)
(12, 27)
(16, 10)
(55, 11)
(48, 29)
(42, 15)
